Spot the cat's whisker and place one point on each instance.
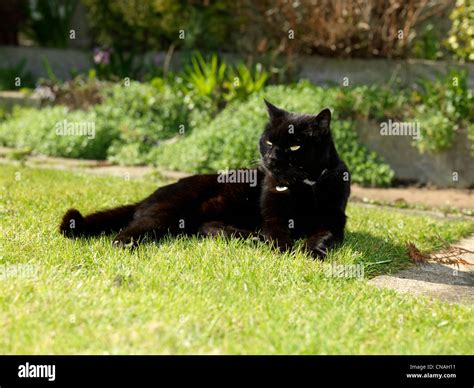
(255, 161)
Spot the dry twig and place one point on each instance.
(450, 255)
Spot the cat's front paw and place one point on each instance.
(318, 244)
(282, 243)
(317, 249)
(125, 241)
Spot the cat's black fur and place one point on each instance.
(301, 191)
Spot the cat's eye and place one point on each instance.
(295, 148)
(268, 143)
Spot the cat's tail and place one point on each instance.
(75, 224)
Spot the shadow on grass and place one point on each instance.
(378, 255)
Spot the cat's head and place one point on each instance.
(295, 146)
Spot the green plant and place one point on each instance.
(437, 132)
(15, 77)
(370, 102)
(58, 131)
(168, 123)
(129, 120)
(145, 116)
(49, 21)
(444, 106)
(158, 24)
(243, 81)
(428, 43)
(3, 114)
(219, 82)
(51, 75)
(206, 77)
(461, 35)
(230, 140)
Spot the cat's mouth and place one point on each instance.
(283, 176)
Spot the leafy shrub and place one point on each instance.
(436, 131)
(370, 102)
(155, 24)
(356, 28)
(129, 123)
(144, 116)
(443, 106)
(38, 130)
(461, 35)
(171, 125)
(230, 140)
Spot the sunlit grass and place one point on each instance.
(191, 295)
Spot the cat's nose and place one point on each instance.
(272, 154)
(272, 162)
(272, 158)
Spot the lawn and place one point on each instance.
(191, 295)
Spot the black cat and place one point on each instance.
(300, 190)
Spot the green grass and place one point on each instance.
(207, 295)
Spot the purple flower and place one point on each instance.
(101, 56)
(45, 93)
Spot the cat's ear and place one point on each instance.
(320, 123)
(323, 119)
(273, 111)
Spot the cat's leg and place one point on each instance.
(326, 237)
(276, 221)
(319, 243)
(214, 228)
(277, 232)
(137, 230)
(155, 221)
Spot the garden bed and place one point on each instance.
(200, 120)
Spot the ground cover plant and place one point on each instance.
(193, 296)
(209, 118)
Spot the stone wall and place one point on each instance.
(322, 70)
(319, 70)
(451, 168)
